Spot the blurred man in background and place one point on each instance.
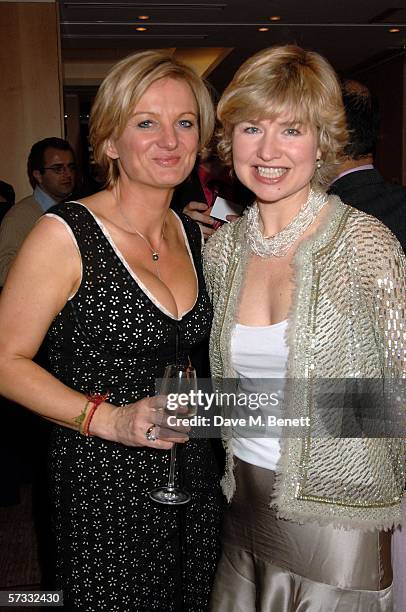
(52, 173)
(359, 183)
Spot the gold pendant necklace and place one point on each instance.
(155, 252)
(133, 230)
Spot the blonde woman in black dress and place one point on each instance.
(115, 284)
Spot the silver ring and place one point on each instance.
(150, 434)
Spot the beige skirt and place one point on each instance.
(273, 565)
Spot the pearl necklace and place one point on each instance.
(279, 244)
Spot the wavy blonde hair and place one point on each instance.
(123, 87)
(287, 79)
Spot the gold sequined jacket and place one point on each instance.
(347, 320)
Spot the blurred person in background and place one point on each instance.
(52, 170)
(7, 198)
(359, 183)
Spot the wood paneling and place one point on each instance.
(30, 85)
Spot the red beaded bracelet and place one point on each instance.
(95, 400)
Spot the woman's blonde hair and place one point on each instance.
(287, 79)
(123, 87)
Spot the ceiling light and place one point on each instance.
(394, 30)
(275, 18)
(143, 17)
(263, 29)
(141, 29)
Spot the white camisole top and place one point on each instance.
(259, 357)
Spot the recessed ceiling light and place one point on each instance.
(141, 29)
(275, 18)
(143, 17)
(263, 29)
(394, 30)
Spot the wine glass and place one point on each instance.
(177, 379)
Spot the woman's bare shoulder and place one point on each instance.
(98, 203)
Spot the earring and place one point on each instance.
(319, 163)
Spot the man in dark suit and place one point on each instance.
(359, 183)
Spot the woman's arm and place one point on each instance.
(381, 265)
(387, 269)
(46, 272)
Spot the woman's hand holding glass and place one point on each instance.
(129, 424)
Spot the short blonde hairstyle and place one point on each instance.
(123, 87)
(287, 79)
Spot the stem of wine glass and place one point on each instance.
(172, 465)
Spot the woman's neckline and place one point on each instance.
(132, 273)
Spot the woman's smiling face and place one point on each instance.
(158, 146)
(275, 158)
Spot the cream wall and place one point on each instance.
(30, 85)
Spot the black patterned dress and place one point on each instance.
(117, 550)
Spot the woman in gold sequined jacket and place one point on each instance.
(314, 290)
